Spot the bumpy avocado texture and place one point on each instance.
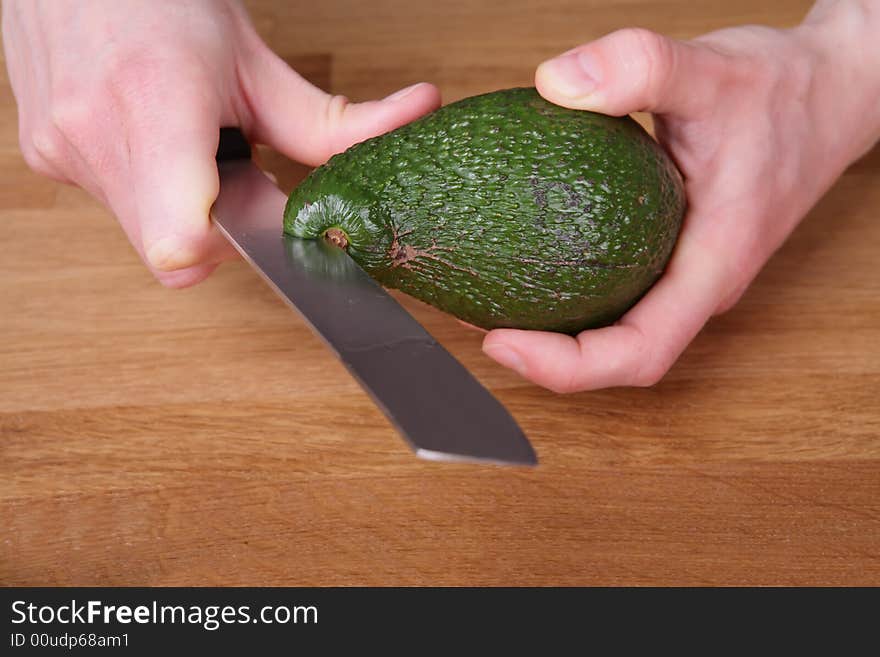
(504, 210)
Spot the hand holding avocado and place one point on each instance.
(125, 99)
(761, 122)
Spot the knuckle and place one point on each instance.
(731, 300)
(334, 123)
(651, 373)
(655, 60)
(334, 113)
(71, 115)
(653, 364)
(44, 148)
(741, 258)
(37, 164)
(31, 155)
(649, 44)
(331, 136)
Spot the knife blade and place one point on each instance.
(438, 407)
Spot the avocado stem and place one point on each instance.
(336, 237)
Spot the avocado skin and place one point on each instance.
(504, 210)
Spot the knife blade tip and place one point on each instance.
(530, 460)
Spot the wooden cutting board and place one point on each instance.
(205, 436)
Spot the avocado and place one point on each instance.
(504, 210)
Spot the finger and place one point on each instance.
(173, 179)
(634, 70)
(636, 351)
(30, 97)
(309, 125)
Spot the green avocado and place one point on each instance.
(504, 210)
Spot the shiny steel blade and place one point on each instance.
(442, 411)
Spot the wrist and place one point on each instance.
(841, 36)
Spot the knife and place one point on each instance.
(438, 407)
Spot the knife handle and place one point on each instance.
(232, 145)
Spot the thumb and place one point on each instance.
(309, 125)
(634, 70)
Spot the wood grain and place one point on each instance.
(205, 436)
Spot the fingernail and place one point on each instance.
(573, 74)
(403, 93)
(507, 357)
(170, 253)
